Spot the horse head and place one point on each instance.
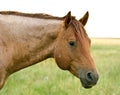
(72, 50)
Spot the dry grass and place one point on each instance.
(106, 41)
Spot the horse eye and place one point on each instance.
(72, 43)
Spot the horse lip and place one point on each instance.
(85, 84)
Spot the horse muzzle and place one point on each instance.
(89, 79)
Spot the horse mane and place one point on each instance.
(34, 15)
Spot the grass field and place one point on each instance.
(46, 78)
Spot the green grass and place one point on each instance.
(46, 78)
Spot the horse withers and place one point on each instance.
(26, 39)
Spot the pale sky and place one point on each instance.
(104, 14)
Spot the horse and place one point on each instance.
(29, 38)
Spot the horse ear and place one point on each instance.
(84, 19)
(68, 19)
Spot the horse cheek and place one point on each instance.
(62, 59)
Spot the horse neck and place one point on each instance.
(33, 41)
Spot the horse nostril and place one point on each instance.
(90, 76)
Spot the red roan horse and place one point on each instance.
(26, 39)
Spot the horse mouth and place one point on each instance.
(87, 84)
